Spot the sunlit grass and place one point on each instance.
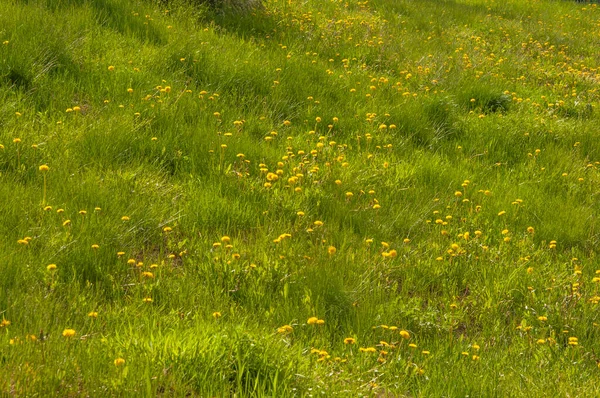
(311, 198)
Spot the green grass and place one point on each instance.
(428, 167)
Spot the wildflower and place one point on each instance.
(44, 168)
(147, 274)
(331, 250)
(68, 333)
(216, 314)
(119, 362)
(51, 267)
(285, 329)
(95, 246)
(368, 349)
(312, 320)
(4, 323)
(147, 300)
(349, 340)
(92, 314)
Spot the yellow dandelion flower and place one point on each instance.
(68, 333)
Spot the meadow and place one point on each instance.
(386, 198)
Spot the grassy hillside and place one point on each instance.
(317, 198)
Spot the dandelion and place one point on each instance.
(331, 250)
(285, 329)
(312, 320)
(44, 168)
(404, 334)
(119, 362)
(92, 314)
(68, 333)
(51, 267)
(147, 300)
(349, 341)
(216, 314)
(368, 349)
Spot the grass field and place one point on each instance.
(318, 198)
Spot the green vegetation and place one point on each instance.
(332, 198)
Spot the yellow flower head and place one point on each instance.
(44, 168)
(68, 333)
